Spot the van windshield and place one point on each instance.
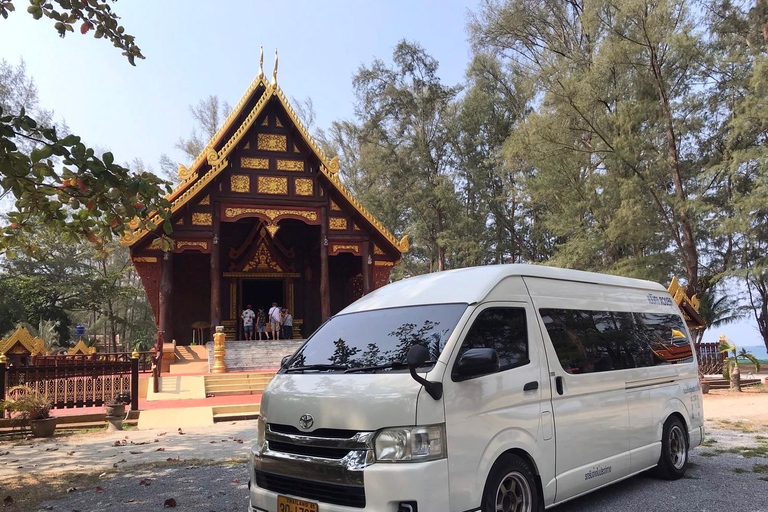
(377, 340)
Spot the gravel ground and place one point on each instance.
(715, 481)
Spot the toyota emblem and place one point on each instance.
(306, 421)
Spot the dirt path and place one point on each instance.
(751, 405)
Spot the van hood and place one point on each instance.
(362, 402)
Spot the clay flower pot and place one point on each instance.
(44, 427)
(115, 410)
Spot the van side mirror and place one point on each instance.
(417, 356)
(476, 362)
(285, 361)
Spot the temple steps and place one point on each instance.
(229, 384)
(248, 356)
(235, 412)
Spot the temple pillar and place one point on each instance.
(215, 270)
(325, 290)
(367, 264)
(166, 294)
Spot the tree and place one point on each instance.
(731, 367)
(610, 81)
(405, 113)
(208, 114)
(61, 285)
(57, 181)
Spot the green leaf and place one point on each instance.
(41, 153)
(109, 159)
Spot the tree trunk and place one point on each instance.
(689, 252)
(440, 248)
(735, 378)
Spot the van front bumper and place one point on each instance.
(386, 486)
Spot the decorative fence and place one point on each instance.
(77, 384)
(145, 359)
(710, 358)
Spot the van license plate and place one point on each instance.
(286, 504)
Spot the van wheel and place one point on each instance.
(674, 450)
(511, 487)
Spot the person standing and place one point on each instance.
(248, 317)
(261, 323)
(287, 325)
(274, 321)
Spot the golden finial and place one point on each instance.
(212, 156)
(261, 62)
(274, 73)
(3, 359)
(403, 244)
(722, 338)
(183, 172)
(135, 354)
(333, 165)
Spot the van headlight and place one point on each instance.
(410, 444)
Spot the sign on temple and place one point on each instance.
(261, 216)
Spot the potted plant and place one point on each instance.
(26, 403)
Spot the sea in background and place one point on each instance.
(759, 352)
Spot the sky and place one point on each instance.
(194, 49)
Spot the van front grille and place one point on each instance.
(346, 495)
(312, 451)
(334, 433)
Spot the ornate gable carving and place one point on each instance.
(260, 253)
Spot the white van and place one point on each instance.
(499, 388)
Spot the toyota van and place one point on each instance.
(507, 388)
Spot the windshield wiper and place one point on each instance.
(318, 367)
(398, 365)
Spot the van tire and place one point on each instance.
(512, 484)
(674, 450)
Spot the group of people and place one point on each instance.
(275, 324)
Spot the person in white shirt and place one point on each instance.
(248, 316)
(274, 320)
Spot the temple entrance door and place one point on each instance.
(262, 293)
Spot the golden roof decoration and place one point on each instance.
(184, 173)
(81, 348)
(21, 335)
(274, 73)
(218, 159)
(261, 61)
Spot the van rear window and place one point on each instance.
(598, 341)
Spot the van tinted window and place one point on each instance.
(379, 337)
(599, 341)
(502, 329)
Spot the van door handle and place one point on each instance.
(531, 386)
(559, 385)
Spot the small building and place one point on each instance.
(21, 346)
(261, 216)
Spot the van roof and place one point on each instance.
(471, 285)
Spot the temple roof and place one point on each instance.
(24, 338)
(212, 161)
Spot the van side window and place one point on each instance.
(601, 341)
(502, 329)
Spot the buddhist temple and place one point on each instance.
(260, 216)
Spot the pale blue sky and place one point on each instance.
(196, 48)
